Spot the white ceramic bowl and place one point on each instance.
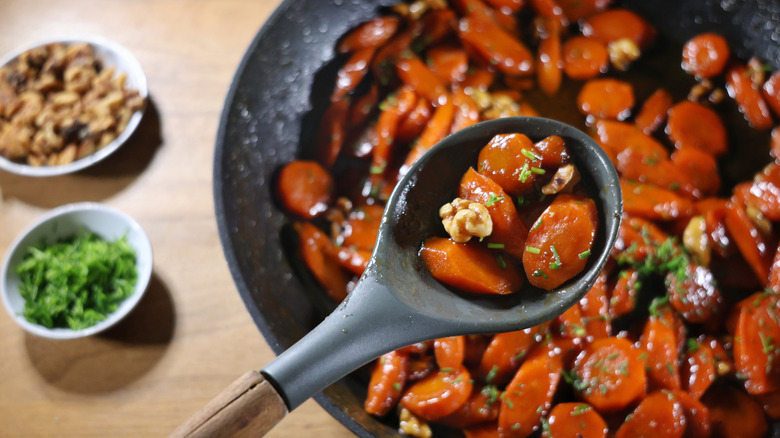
(62, 222)
(112, 55)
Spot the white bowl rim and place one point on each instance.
(139, 83)
(144, 271)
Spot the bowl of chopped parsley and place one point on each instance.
(76, 271)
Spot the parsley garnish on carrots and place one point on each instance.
(76, 282)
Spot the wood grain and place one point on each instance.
(191, 336)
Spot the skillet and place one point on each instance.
(280, 91)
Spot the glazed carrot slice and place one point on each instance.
(697, 370)
(553, 151)
(653, 203)
(387, 381)
(618, 23)
(609, 375)
(449, 351)
(701, 168)
(639, 238)
(361, 228)
(622, 300)
(569, 324)
(549, 59)
(594, 307)
(651, 167)
(466, 110)
(606, 99)
(508, 229)
(479, 78)
(439, 394)
(584, 58)
(353, 260)
(506, 159)
(764, 192)
(413, 72)
(313, 247)
(415, 121)
(751, 243)
(756, 347)
(437, 128)
(505, 353)
(503, 18)
(774, 149)
(774, 272)
(574, 420)
(396, 107)
(694, 294)
(653, 112)
(659, 343)
(528, 397)
(470, 267)
(508, 54)
(363, 106)
(751, 103)
(560, 241)
(489, 430)
(697, 416)
(659, 414)
(383, 64)
(771, 93)
(305, 188)
(482, 407)
(448, 62)
(733, 413)
(352, 72)
(694, 125)
(372, 33)
(331, 132)
(550, 10)
(705, 55)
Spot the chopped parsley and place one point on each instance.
(493, 199)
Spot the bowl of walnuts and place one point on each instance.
(66, 104)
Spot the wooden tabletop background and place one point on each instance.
(191, 335)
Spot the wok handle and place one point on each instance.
(249, 407)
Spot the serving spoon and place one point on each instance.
(397, 302)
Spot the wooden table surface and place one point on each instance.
(191, 335)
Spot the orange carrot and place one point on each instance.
(659, 343)
(749, 240)
(700, 167)
(653, 203)
(693, 294)
(305, 188)
(594, 307)
(740, 86)
(387, 381)
(574, 420)
(549, 59)
(694, 125)
(584, 58)
(659, 414)
(438, 394)
(697, 369)
(771, 93)
(505, 159)
(448, 62)
(606, 99)
(449, 352)
(420, 78)
(705, 55)
(615, 24)
(352, 72)
(373, 33)
(653, 112)
(755, 344)
(733, 413)
(313, 247)
(507, 53)
(505, 353)
(438, 128)
(331, 132)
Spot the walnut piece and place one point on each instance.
(623, 52)
(463, 219)
(696, 240)
(564, 180)
(413, 426)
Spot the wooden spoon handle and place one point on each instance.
(249, 407)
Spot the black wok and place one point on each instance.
(280, 91)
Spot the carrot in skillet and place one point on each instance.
(506, 160)
(448, 62)
(694, 294)
(559, 243)
(439, 394)
(313, 247)
(756, 343)
(360, 229)
(488, 430)
(549, 58)
(387, 381)
(694, 125)
(751, 103)
(701, 168)
(449, 351)
(733, 413)
(764, 192)
(509, 230)
(771, 92)
(649, 167)
(481, 407)
(362, 107)
(383, 64)
(470, 267)
(606, 99)
(394, 109)
(659, 414)
(574, 420)
(352, 72)
(413, 72)
(609, 375)
(774, 272)
(697, 369)
(659, 343)
(653, 112)
(622, 300)
(705, 55)
(751, 243)
(697, 416)
(553, 151)
(466, 110)
(774, 145)
(437, 128)
(654, 203)
(505, 353)
(438, 25)
(352, 259)
(550, 10)
(479, 9)
(594, 307)
(305, 188)
(639, 237)
(576, 10)
(584, 58)
(331, 132)
(507, 52)
(528, 397)
(372, 33)
(618, 23)
(415, 121)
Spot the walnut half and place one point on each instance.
(463, 219)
